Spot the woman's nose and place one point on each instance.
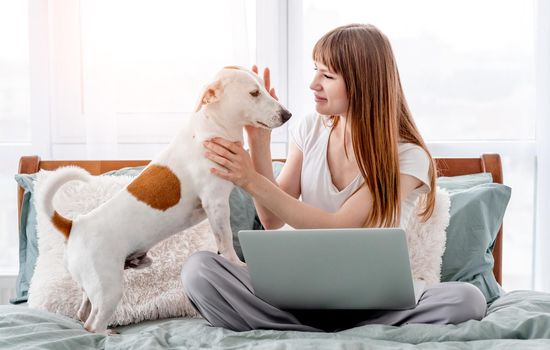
(315, 86)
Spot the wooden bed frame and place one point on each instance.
(445, 166)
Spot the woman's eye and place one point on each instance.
(326, 76)
(255, 93)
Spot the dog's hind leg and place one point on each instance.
(104, 298)
(106, 311)
(91, 318)
(85, 307)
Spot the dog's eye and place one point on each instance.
(255, 93)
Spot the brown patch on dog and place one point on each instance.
(157, 186)
(62, 224)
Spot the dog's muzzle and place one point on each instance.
(285, 115)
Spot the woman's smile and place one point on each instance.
(319, 99)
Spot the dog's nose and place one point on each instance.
(285, 115)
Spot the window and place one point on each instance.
(15, 130)
(14, 70)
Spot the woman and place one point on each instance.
(370, 165)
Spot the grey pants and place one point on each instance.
(222, 293)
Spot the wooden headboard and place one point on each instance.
(445, 166)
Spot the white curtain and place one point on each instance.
(542, 237)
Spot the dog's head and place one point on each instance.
(240, 97)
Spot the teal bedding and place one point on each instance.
(517, 320)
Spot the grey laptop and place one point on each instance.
(331, 268)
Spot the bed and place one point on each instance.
(516, 320)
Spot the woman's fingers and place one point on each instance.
(273, 94)
(221, 173)
(222, 153)
(234, 162)
(267, 79)
(226, 146)
(224, 162)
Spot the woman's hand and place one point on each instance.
(258, 135)
(235, 161)
(267, 81)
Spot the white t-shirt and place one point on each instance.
(311, 136)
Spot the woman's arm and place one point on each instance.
(353, 213)
(288, 180)
(298, 214)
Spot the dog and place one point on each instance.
(175, 191)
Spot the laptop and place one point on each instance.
(364, 268)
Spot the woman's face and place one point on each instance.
(329, 91)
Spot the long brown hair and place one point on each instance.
(378, 115)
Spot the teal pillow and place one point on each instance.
(462, 182)
(28, 244)
(477, 210)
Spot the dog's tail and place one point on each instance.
(48, 190)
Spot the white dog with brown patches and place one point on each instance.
(175, 191)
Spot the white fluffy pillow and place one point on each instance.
(150, 293)
(426, 240)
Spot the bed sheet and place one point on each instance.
(518, 320)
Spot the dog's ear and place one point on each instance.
(211, 94)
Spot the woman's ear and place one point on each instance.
(211, 94)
